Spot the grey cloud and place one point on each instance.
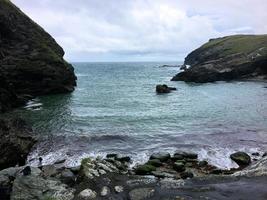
(142, 29)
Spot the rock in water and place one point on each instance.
(241, 158)
(162, 156)
(227, 58)
(30, 59)
(16, 142)
(161, 89)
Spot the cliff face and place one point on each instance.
(31, 62)
(227, 58)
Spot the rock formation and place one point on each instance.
(228, 58)
(31, 62)
(16, 141)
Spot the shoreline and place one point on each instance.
(168, 176)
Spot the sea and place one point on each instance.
(115, 109)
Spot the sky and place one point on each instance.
(142, 30)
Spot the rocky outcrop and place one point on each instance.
(162, 89)
(227, 58)
(31, 62)
(16, 142)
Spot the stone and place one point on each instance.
(87, 194)
(255, 154)
(67, 176)
(50, 171)
(187, 155)
(203, 163)
(105, 191)
(144, 169)
(186, 174)
(118, 189)
(155, 162)
(26, 171)
(17, 139)
(34, 186)
(60, 161)
(162, 156)
(123, 158)
(141, 193)
(112, 155)
(161, 89)
(241, 158)
(179, 166)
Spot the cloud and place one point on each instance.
(142, 29)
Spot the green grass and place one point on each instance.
(238, 44)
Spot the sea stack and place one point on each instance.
(31, 62)
(227, 58)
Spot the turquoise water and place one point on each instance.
(115, 109)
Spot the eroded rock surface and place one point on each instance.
(31, 62)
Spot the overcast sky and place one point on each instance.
(142, 30)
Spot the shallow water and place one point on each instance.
(115, 109)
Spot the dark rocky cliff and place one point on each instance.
(227, 58)
(31, 62)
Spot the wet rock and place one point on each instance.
(7, 176)
(179, 166)
(141, 193)
(76, 169)
(144, 169)
(155, 162)
(216, 171)
(187, 155)
(118, 189)
(50, 171)
(177, 157)
(162, 156)
(186, 174)
(105, 191)
(60, 161)
(123, 158)
(112, 155)
(203, 163)
(35, 186)
(67, 176)
(17, 139)
(161, 89)
(87, 194)
(241, 158)
(26, 171)
(255, 154)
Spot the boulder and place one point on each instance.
(186, 174)
(31, 61)
(17, 139)
(241, 158)
(162, 156)
(155, 162)
(34, 186)
(227, 58)
(144, 169)
(161, 89)
(187, 155)
(179, 166)
(87, 194)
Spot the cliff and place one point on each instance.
(228, 58)
(31, 62)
